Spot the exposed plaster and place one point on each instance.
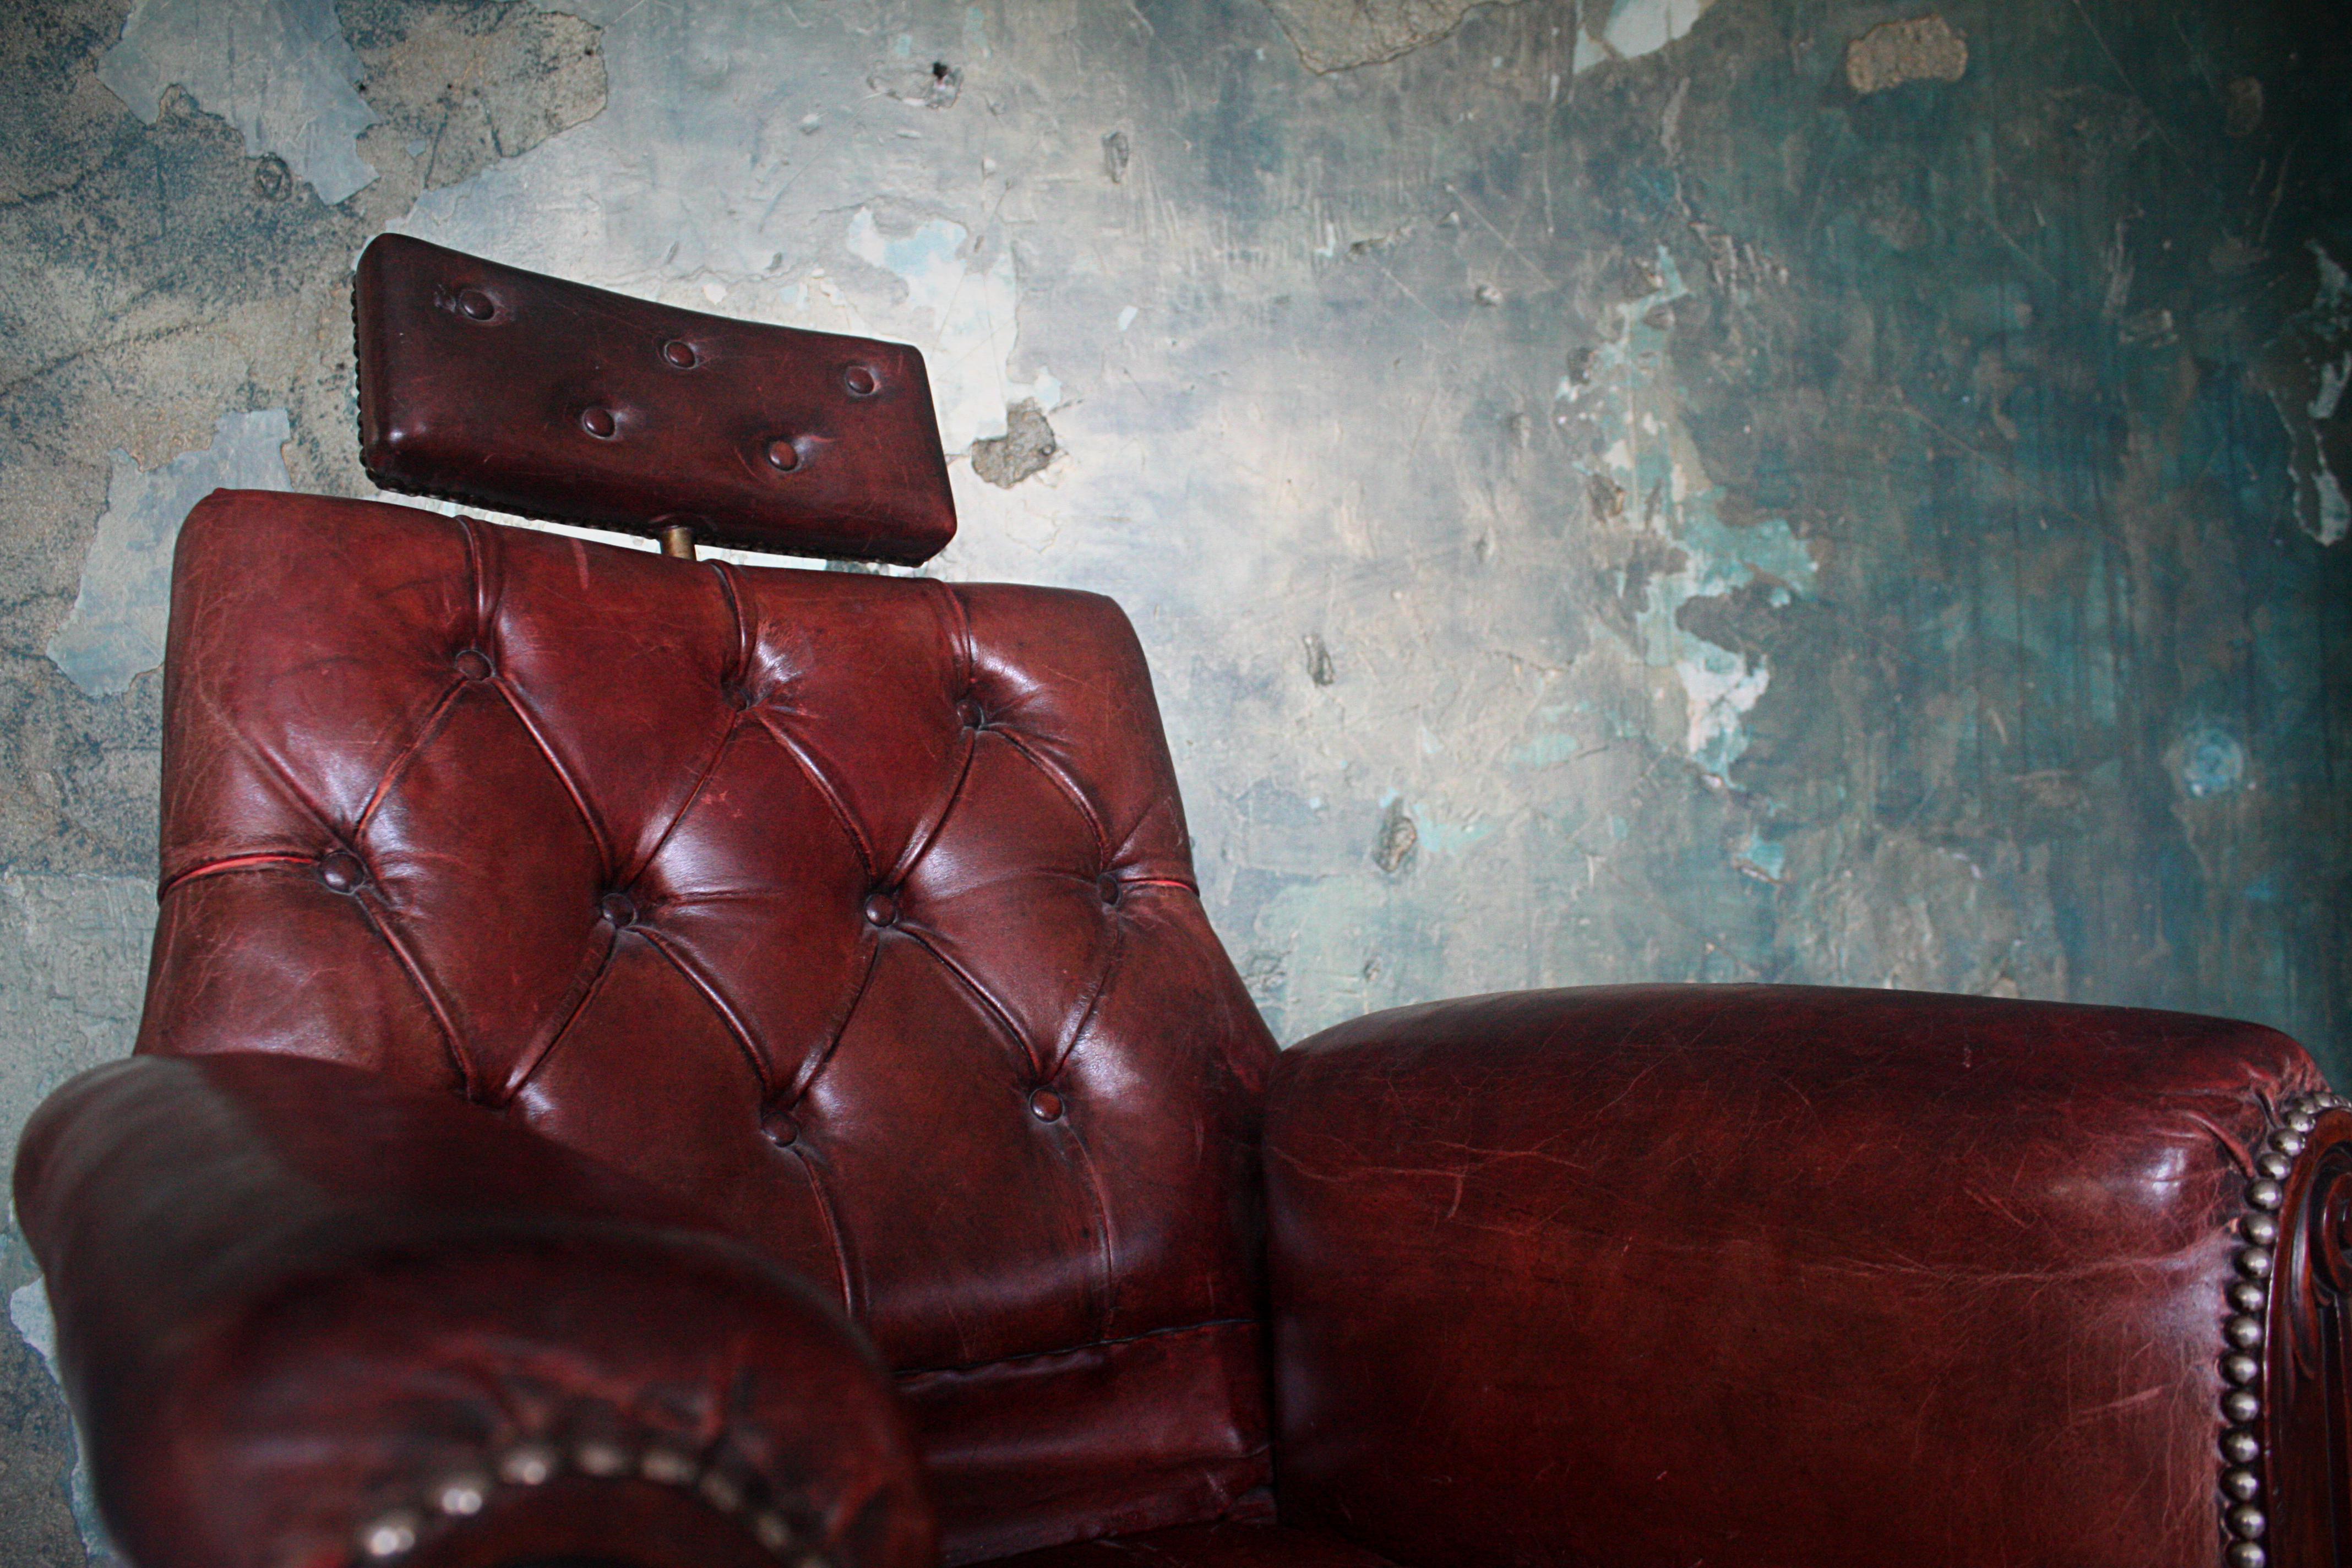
(1628, 29)
(116, 628)
(1622, 400)
(278, 70)
(1921, 49)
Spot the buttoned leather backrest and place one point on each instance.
(858, 909)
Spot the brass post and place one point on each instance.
(678, 541)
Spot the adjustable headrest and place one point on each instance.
(524, 393)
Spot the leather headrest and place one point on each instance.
(525, 394)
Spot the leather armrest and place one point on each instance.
(307, 1316)
(1771, 1275)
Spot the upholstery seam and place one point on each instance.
(480, 550)
(435, 719)
(926, 834)
(562, 774)
(628, 874)
(519, 1077)
(741, 669)
(823, 787)
(459, 1057)
(965, 652)
(920, 844)
(1106, 1241)
(285, 776)
(806, 1074)
(832, 1232)
(1200, 1328)
(230, 863)
(989, 1005)
(1067, 786)
(720, 1006)
(1106, 1248)
(1065, 1050)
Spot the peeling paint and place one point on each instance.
(1628, 29)
(115, 631)
(278, 70)
(1920, 48)
(1623, 395)
(975, 313)
(2213, 763)
(29, 1314)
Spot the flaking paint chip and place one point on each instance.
(1925, 48)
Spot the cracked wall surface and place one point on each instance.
(1611, 490)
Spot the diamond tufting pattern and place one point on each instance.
(858, 910)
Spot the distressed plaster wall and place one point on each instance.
(1644, 489)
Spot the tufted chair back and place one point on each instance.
(858, 909)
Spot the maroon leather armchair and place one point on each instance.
(651, 1062)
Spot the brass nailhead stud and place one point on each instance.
(475, 305)
(860, 381)
(784, 455)
(680, 355)
(390, 1536)
(461, 1496)
(598, 422)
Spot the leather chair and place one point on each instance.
(659, 1062)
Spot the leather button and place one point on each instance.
(618, 908)
(1045, 1105)
(598, 422)
(1107, 886)
(340, 870)
(784, 455)
(860, 381)
(680, 355)
(473, 665)
(780, 1129)
(881, 909)
(475, 305)
(971, 714)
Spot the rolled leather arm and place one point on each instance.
(309, 1317)
(1766, 1276)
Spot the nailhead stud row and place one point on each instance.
(2242, 1519)
(391, 1536)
